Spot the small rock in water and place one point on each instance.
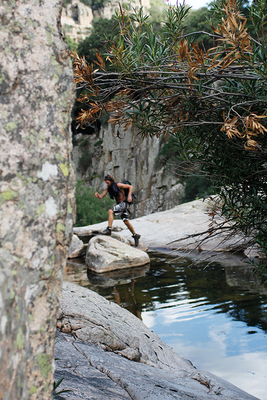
(104, 253)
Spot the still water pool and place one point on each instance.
(215, 314)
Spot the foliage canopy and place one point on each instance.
(212, 101)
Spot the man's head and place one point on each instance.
(109, 180)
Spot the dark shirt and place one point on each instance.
(115, 192)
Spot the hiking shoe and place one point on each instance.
(107, 232)
(136, 239)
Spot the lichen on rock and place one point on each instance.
(36, 96)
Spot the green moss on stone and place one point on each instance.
(40, 210)
(12, 293)
(44, 364)
(10, 126)
(20, 339)
(64, 169)
(60, 227)
(2, 78)
(69, 208)
(56, 77)
(17, 311)
(9, 194)
(20, 205)
(33, 390)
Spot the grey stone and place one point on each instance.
(120, 237)
(115, 348)
(36, 191)
(82, 379)
(178, 229)
(76, 247)
(104, 253)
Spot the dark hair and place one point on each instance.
(109, 178)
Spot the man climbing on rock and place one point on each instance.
(117, 191)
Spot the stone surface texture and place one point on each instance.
(105, 253)
(76, 247)
(111, 354)
(36, 192)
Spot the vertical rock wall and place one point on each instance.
(36, 192)
(126, 156)
(77, 18)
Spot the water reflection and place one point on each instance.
(171, 282)
(117, 278)
(214, 315)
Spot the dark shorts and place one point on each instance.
(121, 209)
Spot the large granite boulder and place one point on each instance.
(104, 253)
(105, 352)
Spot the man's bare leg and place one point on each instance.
(131, 229)
(107, 231)
(110, 218)
(129, 226)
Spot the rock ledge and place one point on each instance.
(111, 354)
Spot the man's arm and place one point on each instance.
(125, 186)
(100, 196)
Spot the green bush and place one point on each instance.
(72, 45)
(168, 153)
(103, 29)
(89, 209)
(197, 187)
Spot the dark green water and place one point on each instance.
(215, 315)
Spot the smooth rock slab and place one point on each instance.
(104, 253)
(92, 373)
(110, 353)
(176, 229)
(83, 380)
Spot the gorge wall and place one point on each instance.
(125, 155)
(76, 18)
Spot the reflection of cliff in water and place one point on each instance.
(252, 307)
(232, 290)
(245, 278)
(245, 301)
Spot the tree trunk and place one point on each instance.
(36, 192)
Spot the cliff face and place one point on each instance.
(76, 20)
(76, 17)
(126, 156)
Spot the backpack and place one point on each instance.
(126, 191)
(113, 190)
